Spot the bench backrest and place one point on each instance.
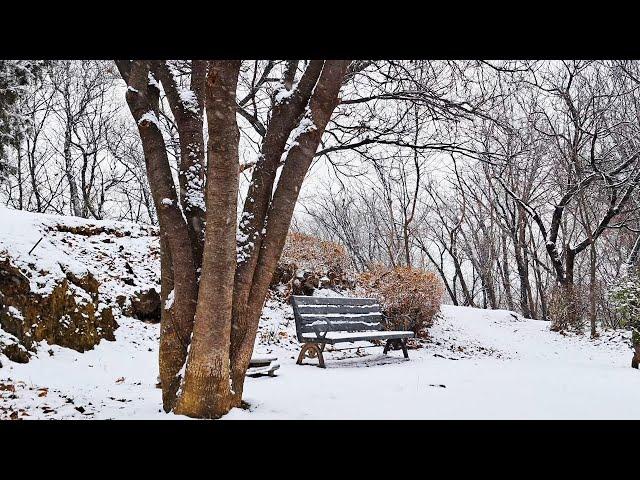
(345, 314)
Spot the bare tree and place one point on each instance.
(205, 352)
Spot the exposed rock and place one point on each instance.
(67, 315)
(88, 283)
(15, 352)
(10, 347)
(146, 305)
(305, 282)
(91, 230)
(308, 263)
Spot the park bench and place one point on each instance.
(322, 321)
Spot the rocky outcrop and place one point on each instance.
(145, 305)
(67, 314)
(308, 263)
(11, 348)
(304, 282)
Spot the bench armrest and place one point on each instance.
(320, 334)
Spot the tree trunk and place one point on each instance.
(178, 266)
(206, 388)
(215, 348)
(468, 297)
(635, 339)
(278, 218)
(566, 312)
(592, 290)
(506, 274)
(76, 206)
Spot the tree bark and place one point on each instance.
(187, 106)
(178, 266)
(206, 388)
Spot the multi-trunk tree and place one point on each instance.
(216, 271)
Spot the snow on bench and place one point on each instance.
(330, 320)
(351, 337)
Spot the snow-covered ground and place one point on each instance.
(479, 365)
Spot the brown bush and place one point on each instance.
(567, 308)
(308, 263)
(410, 297)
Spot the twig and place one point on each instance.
(34, 247)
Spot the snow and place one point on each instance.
(149, 116)
(341, 335)
(493, 365)
(170, 299)
(478, 365)
(188, 99)
(283, 95)
(305, 125)
(194, 196)
(59, 252)
(152, 81)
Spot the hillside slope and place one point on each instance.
(68, 280)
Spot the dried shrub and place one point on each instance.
(410, 297)
(567, 309)
(308, 263)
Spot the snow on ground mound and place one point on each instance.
(69, 280)
(114, 252)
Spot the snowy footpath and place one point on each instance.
(478, 365)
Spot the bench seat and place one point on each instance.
(338, 337)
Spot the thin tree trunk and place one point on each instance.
(19, 174)
(298, 161)
(592, 291)
(506, 274)
(76, 206)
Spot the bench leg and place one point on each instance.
(312, 350)
(400, 342)
(403, 344)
